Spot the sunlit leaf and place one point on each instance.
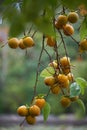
(74, 89)
(49, 71)
(46, 111)
(82, 83)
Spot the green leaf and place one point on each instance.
(49, 71)
(81, 104)
(83, 29)
(82, 83)
(46, 111)
(44, 25)
(6, 2)
(74, 89)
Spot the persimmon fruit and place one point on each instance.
(49, 81)
(65, 101)
(55, 89)
(73, 17)
(34, 110)
(28, 41)
(13, 43)
(63, 81)
(51, 41)
(23, 110)
(40, 102)
(83, 45)
(61, 21)
(21, 44)
(31, 119)
(68, 30)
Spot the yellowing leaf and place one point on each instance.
(49, 71)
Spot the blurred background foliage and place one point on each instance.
(18, 68)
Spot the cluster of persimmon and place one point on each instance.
(30, 112)
(64, 22)
(22, 43)
(61, 80)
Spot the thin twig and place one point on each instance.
(48, 54)
(22, 122)
(30, 29)
(47, 94)
(38, 66)
(74, 40)
(34, 33)
(4, 44)
(56, 48)
(63, 42)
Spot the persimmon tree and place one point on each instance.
(55, 20)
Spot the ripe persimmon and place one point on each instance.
(55, 89)
(63, 81)
(34, 110)
(65, 61)
(83, 45)
(28, 41)
(23, 110)
(65, 101)
(40, 102)
(49, 81)
(61, 21)
(73, 17)
(30, 120)
(13, 43)
(70, 77)
(53, 64)
(21, 44)
(68, 30)
(51, 41)
(65, 64)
